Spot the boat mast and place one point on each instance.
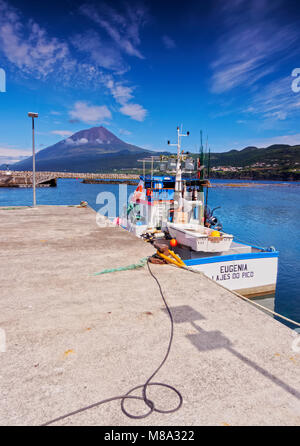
(178, 178)
(208, 174)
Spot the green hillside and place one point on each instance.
(277, 154)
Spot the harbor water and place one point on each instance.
(266, 215)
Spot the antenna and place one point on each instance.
(178, 166)
(208, 165)
(201, 145)
(201, 160)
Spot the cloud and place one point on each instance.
(90, 113)
(62, 133)
(168, 42)
(253, 44)
(135, 111)
(78, 142)
(11, 152)
(28, 46)
(124, 132)
(121, 93)
(123, 28)
(276, 101)
(101, 52)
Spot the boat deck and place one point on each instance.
(235, 248)
(73, 338)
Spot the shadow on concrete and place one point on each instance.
(210, 340)
(184, 313)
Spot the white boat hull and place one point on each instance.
(250, 274)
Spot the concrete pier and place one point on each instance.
(24, 179)
(73, 338)
(17, 175)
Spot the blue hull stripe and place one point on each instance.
(231, 257)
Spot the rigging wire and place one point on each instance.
(246, 299)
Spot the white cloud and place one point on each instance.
(135, 111)
(102, 53)
(122, 27)
(8, 151)
(28, 46)
(276, 101)
(72, 142)
(90, 113)
(124, 132)
(62, 133)
(251, 48)
(9, 155)
(168, 42)
(121, 93)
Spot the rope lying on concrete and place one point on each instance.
(140, 264)
(148, 383)
(149, 403)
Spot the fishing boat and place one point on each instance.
(172, 208)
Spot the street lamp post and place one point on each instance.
(33, 115)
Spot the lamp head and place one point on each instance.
(33, 115)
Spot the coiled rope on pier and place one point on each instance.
(149, 403)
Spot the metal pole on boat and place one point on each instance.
(178, 143)
(178, 165)
(206, 198)
(33, 115)
(152, 167)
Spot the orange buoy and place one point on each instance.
(173, 242)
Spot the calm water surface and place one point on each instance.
(264, 216)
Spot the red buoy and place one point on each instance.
(173, 242)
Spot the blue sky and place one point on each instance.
(142, 68)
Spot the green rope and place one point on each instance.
(140, 264)
(9, 209)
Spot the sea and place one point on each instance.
(263, 214)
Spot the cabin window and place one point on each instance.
(169, 184)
